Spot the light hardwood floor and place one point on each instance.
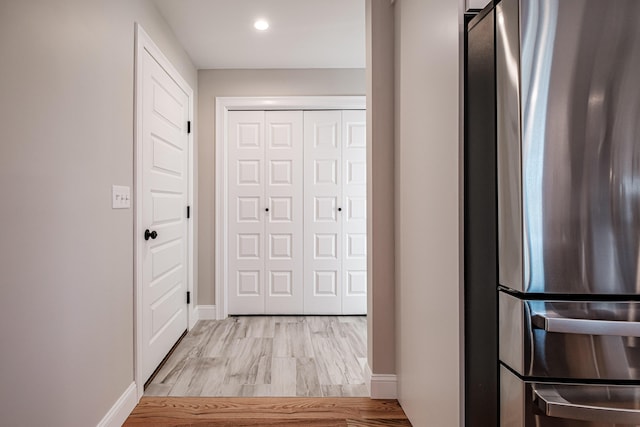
(266, 411)
(314, 356)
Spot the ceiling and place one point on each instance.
(302, 33)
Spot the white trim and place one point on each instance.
(143, 42)
(381, 386)
(206, 312)
(223, 106)
(292, 102)
(120, 410)
(192, 247)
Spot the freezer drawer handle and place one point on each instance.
(553, 322)
(552, 404)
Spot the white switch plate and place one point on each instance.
(121, 197)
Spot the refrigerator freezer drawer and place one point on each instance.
(525, 404)
(570, 339)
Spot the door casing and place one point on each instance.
(223, 106)
(144, 42)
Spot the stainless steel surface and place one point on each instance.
(602, 403)
(531, 351)
(580, 154)
(568, 139)
(510, 244)
(562, 405)
(551, 321)
(512, 399)
(511, 332)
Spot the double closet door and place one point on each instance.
(297, 212)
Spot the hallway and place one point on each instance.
(69, 130)
(250, 356)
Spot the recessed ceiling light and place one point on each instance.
(261, 24)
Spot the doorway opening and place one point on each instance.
(296, 355)
(280, 322)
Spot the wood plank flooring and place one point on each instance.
(238, 412)
(249, 356)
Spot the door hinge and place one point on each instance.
(188, 211)
(189, 126)
(188, 297)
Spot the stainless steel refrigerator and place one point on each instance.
(568, 180)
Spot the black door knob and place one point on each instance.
(152, 234)
(339, 209)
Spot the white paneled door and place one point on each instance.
(296, 212)
(265, 212)
(354, 210)
(283, 219)
(335, 212)
(246, 212)
(164, 198)
(323, 207)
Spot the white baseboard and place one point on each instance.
(381, 386)
(121, 409)
(206, 312)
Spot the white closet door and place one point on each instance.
(284, 218)
(354, 209)
(246, 186)
(322, 195)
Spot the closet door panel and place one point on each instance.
(354, 209)
(246, 210)
(322, 197)
(284, 220)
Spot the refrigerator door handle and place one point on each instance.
(553, 322)
(552, 404)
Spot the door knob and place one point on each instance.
(152, 234)
(266, 209)
(339, 209)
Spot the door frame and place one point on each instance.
(267, 103)
(144, 42)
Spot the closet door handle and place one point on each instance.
(266, 209)
(339, 209)
(150, 234)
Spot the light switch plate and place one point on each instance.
(121, 197)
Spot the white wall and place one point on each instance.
(427, 211)
(262, 82)
(66, 270)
